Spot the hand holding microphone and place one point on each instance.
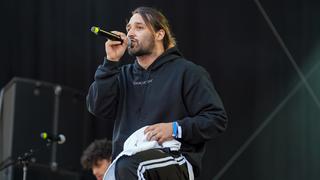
(116, 45)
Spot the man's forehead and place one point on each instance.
(136, 19)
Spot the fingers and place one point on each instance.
(150, 128)
(159, 132)
(152, 135)
(155, 136)
(116, 49)
(158, 136)
(149, 136)
(122, 36)
(151, 132)
(112, 43)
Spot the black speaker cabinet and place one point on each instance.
(30, 107)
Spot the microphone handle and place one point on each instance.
(111, 36)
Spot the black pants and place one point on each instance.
(154, 164)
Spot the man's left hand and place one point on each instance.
(159, 132)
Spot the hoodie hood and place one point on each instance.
(167, 56)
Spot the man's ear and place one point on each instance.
(160, 34)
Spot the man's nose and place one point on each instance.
(130, 33)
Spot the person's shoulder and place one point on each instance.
(189, 66)
(185, 63)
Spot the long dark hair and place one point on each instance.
(155, 20)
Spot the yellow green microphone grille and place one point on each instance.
(95, 29)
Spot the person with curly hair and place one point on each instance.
(97, 157)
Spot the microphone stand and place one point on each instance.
(56, 108)
(25, 159)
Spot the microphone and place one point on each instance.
(60, 139)
(109, 35)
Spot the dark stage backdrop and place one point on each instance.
(272, 101)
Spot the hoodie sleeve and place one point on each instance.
(103, 93)
(207, 117)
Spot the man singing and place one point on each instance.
(162, 90)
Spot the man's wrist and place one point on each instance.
(176, 130)
(112, 59)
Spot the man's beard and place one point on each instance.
(141, 50)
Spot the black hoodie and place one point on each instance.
(171, 89)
